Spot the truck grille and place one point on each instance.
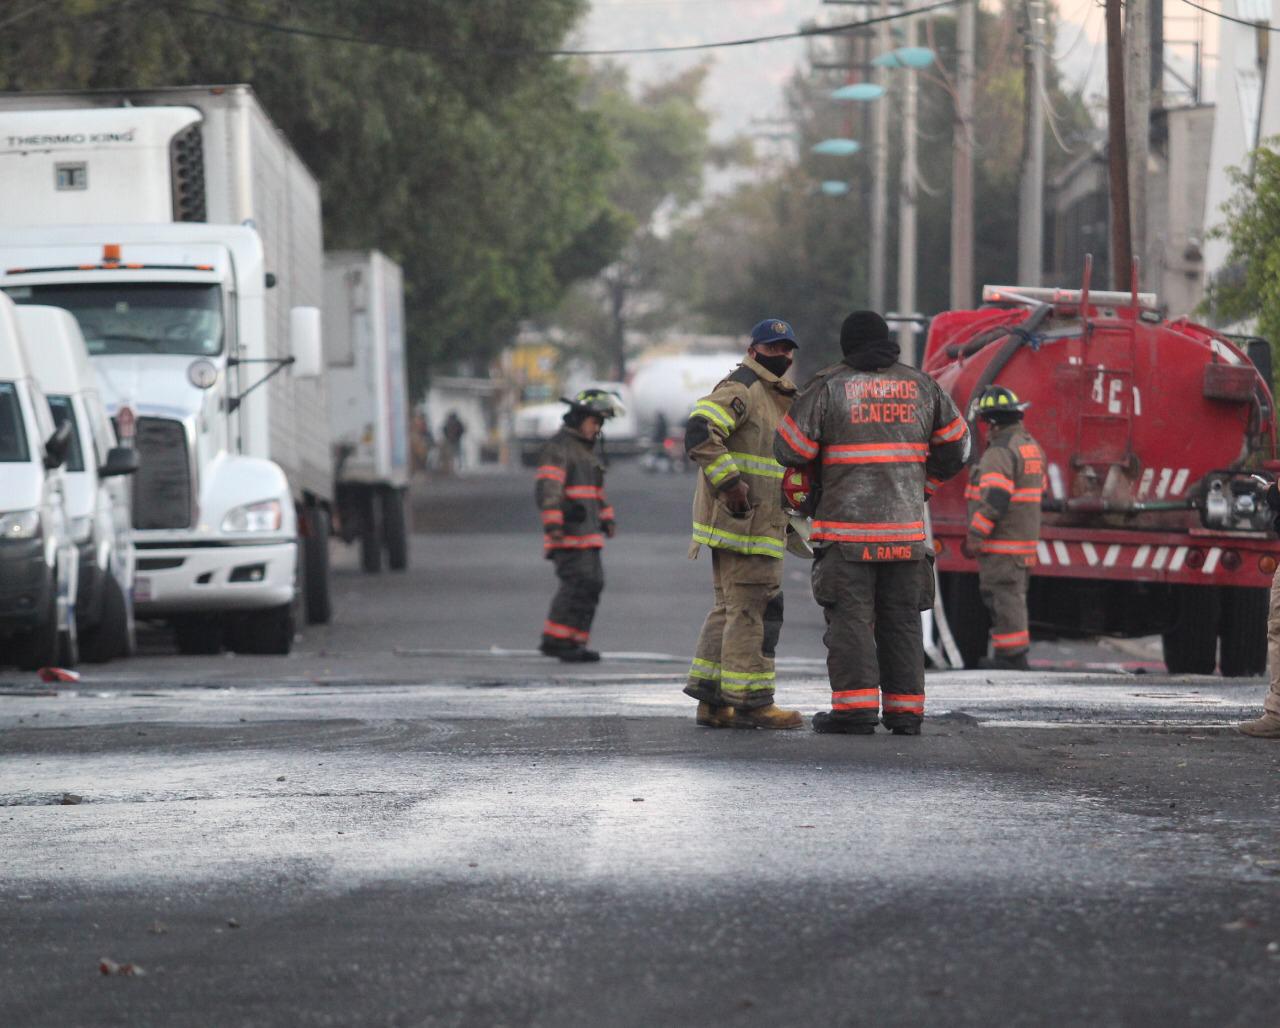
(162, 484)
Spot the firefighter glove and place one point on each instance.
(610, 528)
(737, 498)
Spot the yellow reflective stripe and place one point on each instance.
(721, 468)
(749, 676)
(713, 412)
(748, 544)
(704, 669)
(750, 464)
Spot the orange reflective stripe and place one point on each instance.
(553, 517)
(993, 479)
(909, 702)
(876, 453)
(981, 523)
(557, 631)
(869, 531)
(606, 514)
(1011, 640)
(595, 541)
(550, 471)
(950, 433)
(971, 492)
(796, 439)
(584, 492)
(855, 699)
(1016, 547)
(1028, 495)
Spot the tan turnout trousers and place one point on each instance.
(733, 662)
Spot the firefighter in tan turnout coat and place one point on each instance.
(738, 515)
(1004, 492)
(883, 435)
(576, 517)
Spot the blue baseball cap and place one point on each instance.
(774, 330)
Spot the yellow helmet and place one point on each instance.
(999, 400)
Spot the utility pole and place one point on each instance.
(1137, 81)
(876, 274)
(1031, 188)
(962, 160)
(1118, 151)
(907, 205)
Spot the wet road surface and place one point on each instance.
(400, 825)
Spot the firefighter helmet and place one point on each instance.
(997, 400)
(596, 402)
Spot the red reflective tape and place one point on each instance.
(1027, 495)
(557, 631)
(584, 492)
(848, 694)
(550, 471)
(1011, 640)
(1015, 547)
(553, 517)
(606, 514)
(796, 439)
(856, 704)
(981, 524)
(993, 479)
(595, 541)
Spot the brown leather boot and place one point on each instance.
(1265, 727)
(715, 717)
(771, 716)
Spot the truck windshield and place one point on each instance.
(13, 440)
(124, 318)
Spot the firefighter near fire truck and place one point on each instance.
(1004, 491)
(1268, 725)
(576, 518)
(738, 515)
(884, 436)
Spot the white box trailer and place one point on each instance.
(184, 232)
(368, 406)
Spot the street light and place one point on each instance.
(837, 147)
(859, 91)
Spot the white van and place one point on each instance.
(38, 566)
(96, 495)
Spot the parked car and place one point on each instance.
(38, 567)
(95, 491)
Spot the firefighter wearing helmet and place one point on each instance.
(880, 432)
(738, 515)
(576, 517)
(1004, 492)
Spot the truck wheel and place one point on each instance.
(370, 532)
(315, 557)
(1243, 631)
(199, 634)
(109, 638)
(395, 528)
(265, 631)
(966, 615)
(40, 649)
(1191, 646)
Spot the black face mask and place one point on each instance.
(776, 365)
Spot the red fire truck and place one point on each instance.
(1153, 432)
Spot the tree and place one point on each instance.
(1250, 286)
(479, 171)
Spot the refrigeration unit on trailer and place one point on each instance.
(184, 234)
(368, 406)
(1153, 431)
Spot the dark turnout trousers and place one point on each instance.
(875, 647)
(573, 608)
(1002, 581)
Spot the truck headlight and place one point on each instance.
(82, 528)
(254, 517)
(21, 524)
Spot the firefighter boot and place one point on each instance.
(1265, 727)
(827, 723)
(711, 716)
(771, 716)
(578, 655)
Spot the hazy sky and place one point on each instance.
(746, 83)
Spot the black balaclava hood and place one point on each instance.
(865, 340)
(775, 365)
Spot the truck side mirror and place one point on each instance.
(304, 342)
(121, 460)
(57, 446)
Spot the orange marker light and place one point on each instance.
(1267, 564)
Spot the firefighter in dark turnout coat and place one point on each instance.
(883, 435)
(1004, 492)
(576, 518)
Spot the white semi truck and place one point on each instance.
(368, 408)
(184, 233)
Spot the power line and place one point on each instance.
(1238, 21)
(339, 37)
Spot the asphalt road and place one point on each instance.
(414, 820)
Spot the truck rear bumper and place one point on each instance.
(185, 580)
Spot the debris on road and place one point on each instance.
(109, 967)
(280, 778)
(232, 923)
(58, 674)
(70, 799)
